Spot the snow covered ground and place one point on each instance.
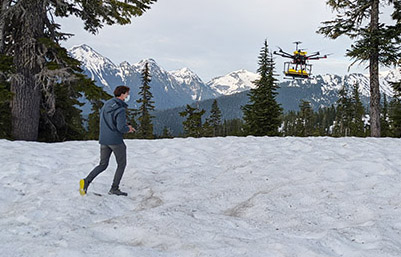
(218, 197)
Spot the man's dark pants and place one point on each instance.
(120, 152)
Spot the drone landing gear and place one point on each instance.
(297, 71)
(296, 74)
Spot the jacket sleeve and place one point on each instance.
(121, 122)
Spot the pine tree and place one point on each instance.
(344, 113)
(233, 127)
(215, 119)
(395, 111)
(166, 133)
(29, 34)
(193, 124)
(60, 118)
(395, 117)
(131, 120)
(385, 125)
(358, 113)
(376, 43)
(207, 129)
(305, 120)
(94, 121)
(289, 123)
(322, 125)
(5, 97)
(262, 114)
(145, 129)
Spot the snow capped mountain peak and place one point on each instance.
(185, 75)
(125, 64)
(190, 82)
(184, 72)
(151, 62)
(234, 82)
(94, 62)
(83, 47)
(125, 70)
(88, 55)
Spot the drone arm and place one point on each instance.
(317, 57)
(282, 54)
(314, 55)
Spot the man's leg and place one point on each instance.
(120, 152)
(105, 152)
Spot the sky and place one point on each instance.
(213, 38)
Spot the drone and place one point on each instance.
(299, 66)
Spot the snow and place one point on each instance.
(205, 197)
(234, 82)
(185, 76)
(93, 61)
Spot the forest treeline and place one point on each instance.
(263, 116)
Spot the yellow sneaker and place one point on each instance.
(83, 186)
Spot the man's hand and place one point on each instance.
(131, 129)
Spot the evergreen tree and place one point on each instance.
(29, 34)
(60, 118)
(395, 117)
(358, 113)
(344, 113)
(376, 43)
(145, 129)
(5, 97)
(262, 114)
(166, 133)
(131, 120)
(385, 125)
(323, 122)
(215, 119)
(289, 124)
(193, 124)
(207, 129)
(395, 111)
(66, 122)
(305, 120)
(94, 121)
(233, 127)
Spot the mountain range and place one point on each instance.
(174, 89)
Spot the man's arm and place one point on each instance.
(121, 121)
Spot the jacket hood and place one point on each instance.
(114, 104)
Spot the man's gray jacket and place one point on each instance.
(113, 122)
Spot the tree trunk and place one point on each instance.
(374, 72)
(25, 105)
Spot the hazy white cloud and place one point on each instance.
(213, 38)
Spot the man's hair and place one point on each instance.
(120, 90)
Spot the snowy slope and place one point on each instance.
(234, 82)
(195, 86)
(223, 197)
(98, 67)
(330, 83)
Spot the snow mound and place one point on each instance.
(205, 197)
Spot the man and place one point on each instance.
(113, 125)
